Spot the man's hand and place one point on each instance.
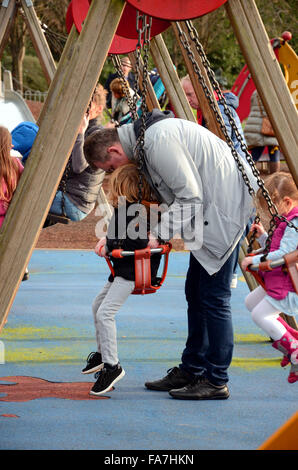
(100, 248)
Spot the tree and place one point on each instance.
(16, 46)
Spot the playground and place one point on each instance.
(46, 322)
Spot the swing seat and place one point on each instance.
(289, 261)
(143, 282)
(53, 219)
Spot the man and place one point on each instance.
(188, 165)
(232, 104)
(126, 69)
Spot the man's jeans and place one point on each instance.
(71, 210)
(209, 345)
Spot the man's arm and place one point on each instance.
(173, 163)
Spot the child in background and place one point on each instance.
(10, 172)
(122, 230)
(279, 296)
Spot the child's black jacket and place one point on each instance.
(117, 237)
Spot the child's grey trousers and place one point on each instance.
(105, 307)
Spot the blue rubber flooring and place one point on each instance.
(50, 332)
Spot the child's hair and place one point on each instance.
(9, 169)
(279, 185)
(100, 95)
(116, 86)
(124, 181)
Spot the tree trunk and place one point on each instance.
(17, 51)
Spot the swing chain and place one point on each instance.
(271, 206)
(191, 56)
(143, 24)
(131, 103)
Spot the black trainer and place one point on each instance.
(94, 363)
(201, 389)
(106, 378)
(176, 378)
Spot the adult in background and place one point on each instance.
(82, 183)
(257, 141)
(188, 166)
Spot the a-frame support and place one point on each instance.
(267, 76)
(69, 94)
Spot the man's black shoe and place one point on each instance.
(176, 378)
(201, 389)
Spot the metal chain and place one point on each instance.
(131, 103)
(271, 206)
(143, 25)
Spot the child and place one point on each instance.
(280, 296)
(120, 107)
(10, 172)
(124, 184)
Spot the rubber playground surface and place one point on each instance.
(44, 398)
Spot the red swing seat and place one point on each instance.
(143, 283)
(289, 261)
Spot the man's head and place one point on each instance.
(189, 91)
(125, 65)
(104, 151)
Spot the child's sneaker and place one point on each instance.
(94, 363)
(106, 379)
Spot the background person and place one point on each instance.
(82, 183)
(256, 141)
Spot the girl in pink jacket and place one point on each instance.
(279, 296)
(10, 172)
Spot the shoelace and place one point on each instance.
(91, 355)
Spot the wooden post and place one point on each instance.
(67, 102)
(170, 78)
(267, 76)
(209, 116)
(40, 44)
(7, 17)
